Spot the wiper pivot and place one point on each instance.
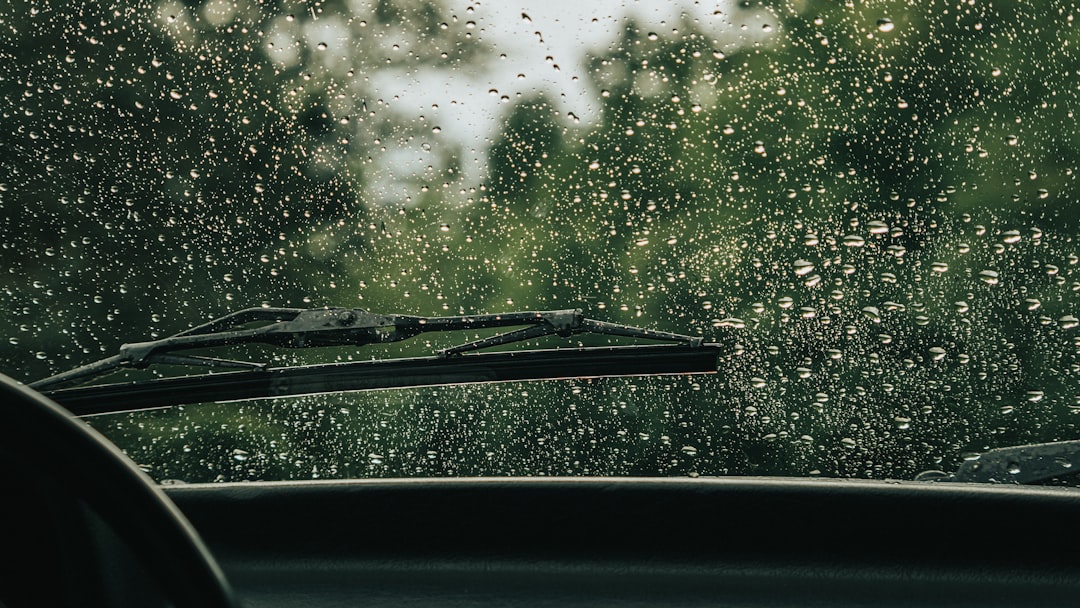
(307, 328)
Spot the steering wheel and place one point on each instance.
(42, 440)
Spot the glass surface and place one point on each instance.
(872, 206)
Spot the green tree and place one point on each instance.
(872, 207)
(168, 163)
(848, 200)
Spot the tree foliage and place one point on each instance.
(873, 207)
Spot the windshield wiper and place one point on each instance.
(1021, 464)
(547, 364)
(306, 328)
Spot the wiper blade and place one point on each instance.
(306, 328)
(548, 364)
(1021, 464)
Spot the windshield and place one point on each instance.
(872, 207)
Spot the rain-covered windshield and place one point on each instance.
(873, 207)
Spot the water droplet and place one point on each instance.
(803, 267)
(990, 277)
(321, 46)
(885, 25)
(239, 455)
(872, 313)
(1068, 322)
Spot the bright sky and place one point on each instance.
(544, 52)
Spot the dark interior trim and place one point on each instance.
(748, 540)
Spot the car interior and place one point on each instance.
(466, 303)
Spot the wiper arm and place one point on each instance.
(1021, 464)
(306, 328)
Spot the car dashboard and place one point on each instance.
(638, 542)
